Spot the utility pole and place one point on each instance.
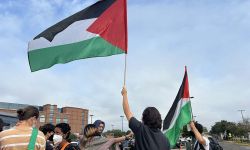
(241, 110)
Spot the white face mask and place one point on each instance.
(57, 139)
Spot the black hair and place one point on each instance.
(152, 118)
(1, 125)
(65, 128)
(199, 127)
(27, 112)
(47, 128)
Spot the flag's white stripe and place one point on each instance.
(20, 135)
(180, 104)
(76, 32)
(19, 144)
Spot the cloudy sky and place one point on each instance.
(211, 37)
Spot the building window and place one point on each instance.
(51, 108)
(42, 118)
(58, 119)
(65, 120)
(59, 110)
(50, 120)
(51, 116)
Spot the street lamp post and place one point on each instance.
(91, 118)
(122, 121)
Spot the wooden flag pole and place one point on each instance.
(125, 70)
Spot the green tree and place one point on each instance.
(235, 129)
(116, 133)
(222, 126)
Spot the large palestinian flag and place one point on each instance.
(98, 30)
(179, 114)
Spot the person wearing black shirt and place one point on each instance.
(148, 135)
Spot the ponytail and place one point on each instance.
(27, 112)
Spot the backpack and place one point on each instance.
(213, 144)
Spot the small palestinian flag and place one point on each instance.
(179, 114)
(97, 31)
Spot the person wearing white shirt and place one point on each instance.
(202, 142)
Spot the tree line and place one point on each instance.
(236, 129)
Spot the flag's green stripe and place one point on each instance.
(183, 119)
(47, 57)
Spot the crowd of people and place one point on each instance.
(147, 133)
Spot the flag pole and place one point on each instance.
(126, 41)
(125, 70)
(189, 96)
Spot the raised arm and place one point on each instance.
(125, 104)
(197, 134)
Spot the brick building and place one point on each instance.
(76, 117)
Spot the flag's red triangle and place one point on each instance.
(112, 25)
(186, 87)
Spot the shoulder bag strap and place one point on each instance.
(33, 137)
(65, 145)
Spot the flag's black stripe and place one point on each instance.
(92, 11)
(172, 110)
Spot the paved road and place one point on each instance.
(229, 146)
(232, 146)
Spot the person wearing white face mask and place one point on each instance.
(24, 135)
(61, 137)
(57, 139)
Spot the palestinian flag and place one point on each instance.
(96, 31)
(179, 114)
